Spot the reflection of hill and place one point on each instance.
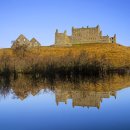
(85, 93)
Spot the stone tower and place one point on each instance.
(62, 38)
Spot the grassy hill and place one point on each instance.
(94, 55)
(118, 55)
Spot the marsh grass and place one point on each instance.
(66, 62)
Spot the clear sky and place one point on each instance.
(40, 18)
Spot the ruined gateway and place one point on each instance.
(82, 36)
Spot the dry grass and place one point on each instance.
(117, 56)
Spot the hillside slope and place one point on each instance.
(117, 55)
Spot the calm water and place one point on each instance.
(88, 105)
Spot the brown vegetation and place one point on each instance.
(88, 59)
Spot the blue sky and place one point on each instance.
(40, 18)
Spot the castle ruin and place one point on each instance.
(82, 36)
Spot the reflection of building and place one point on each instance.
(24, 86)
(82, 98)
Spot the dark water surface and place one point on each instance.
(26, 104)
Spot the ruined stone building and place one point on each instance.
(82, 36)
(34, 42)
(22, 40)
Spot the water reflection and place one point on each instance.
(82, 98)
(84, 93)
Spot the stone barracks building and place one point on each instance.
(82, 36)
(22, 40)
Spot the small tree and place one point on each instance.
(19, 48)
